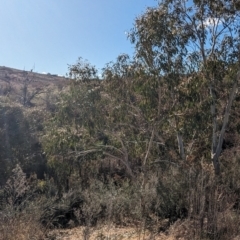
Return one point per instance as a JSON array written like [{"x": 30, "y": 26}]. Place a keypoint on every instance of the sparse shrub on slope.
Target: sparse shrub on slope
[{"x": 19, "y": 140}]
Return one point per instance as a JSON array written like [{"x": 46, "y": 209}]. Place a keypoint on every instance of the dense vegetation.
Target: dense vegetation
[{"x": 155, "y": 140}]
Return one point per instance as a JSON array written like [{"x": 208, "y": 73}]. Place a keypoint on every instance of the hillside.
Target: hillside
[
  {"x": 27, "y": 87},
  {"x": 13, "y": 75}
]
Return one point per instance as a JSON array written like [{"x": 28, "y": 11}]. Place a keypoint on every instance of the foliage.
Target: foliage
[
  {"x": 82, "y": 70},
  {"x": 16, "y": 187},
  {"x": 192, "y": 48}
]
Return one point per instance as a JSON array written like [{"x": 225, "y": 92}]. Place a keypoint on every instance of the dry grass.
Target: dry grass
[{"x": 21, "y": 227}]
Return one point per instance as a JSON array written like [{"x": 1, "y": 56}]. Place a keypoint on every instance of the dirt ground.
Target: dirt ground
[
  {"x": 107, "y": 233},
  {"x": 180, "y": 230}
]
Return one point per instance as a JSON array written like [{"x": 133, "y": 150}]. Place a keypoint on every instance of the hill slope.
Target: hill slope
[
  {"x": 28, "y": 87},
  {"x": 17, "y": 76}
]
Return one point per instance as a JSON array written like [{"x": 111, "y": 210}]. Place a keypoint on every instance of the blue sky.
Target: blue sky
[{"x": 50, "y": 34}]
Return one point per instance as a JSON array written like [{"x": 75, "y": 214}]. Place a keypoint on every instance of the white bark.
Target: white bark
[
  {"x": 214, "y": 120},
  {"x": 180, "y": 146},
  {"x": 217, "y": 151}
]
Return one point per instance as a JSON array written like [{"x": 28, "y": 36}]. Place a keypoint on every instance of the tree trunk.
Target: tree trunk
[
  {"x": 216, "y": 151},
  {"x": 180, "y": 146}
]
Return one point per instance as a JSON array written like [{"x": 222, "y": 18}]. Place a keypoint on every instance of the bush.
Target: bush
[{"x": 21, "y": 226}]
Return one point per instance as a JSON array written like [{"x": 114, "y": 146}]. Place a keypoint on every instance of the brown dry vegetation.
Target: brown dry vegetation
[{"x": 23, "y": 226}]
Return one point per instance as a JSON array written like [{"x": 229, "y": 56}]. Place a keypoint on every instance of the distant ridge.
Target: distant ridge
[{"x": 12, "y": 75}]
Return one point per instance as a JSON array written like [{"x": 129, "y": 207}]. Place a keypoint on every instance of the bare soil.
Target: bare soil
[{"x": 107, "y": 233}]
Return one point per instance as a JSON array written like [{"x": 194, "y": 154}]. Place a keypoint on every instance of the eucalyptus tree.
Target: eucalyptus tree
[
  {"x": 91, "y": 121},
  {"x": 82, "y": 70},
  {"x": 192, "y": 49}
]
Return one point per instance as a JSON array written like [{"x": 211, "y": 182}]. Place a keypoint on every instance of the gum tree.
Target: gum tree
[{"x": 192, "y": 49}]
